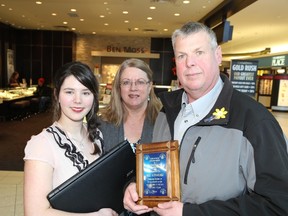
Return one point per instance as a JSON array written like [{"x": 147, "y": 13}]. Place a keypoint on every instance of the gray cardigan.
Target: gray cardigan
[{"x": 113, "y": 135}]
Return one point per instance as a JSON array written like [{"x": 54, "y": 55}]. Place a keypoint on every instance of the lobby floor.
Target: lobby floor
[{"x": 11, "y": 182}]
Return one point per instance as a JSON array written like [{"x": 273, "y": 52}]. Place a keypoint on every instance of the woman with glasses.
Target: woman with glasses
[{"x": 133, "y": 107}]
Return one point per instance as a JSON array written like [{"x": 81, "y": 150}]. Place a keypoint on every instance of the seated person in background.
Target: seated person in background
[
  {"x": 13, "y": 81},
  {"x": 44, "y": 93}
]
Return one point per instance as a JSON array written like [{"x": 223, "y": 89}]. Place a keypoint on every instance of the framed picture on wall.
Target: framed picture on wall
[{"x": 10, "y": 63}]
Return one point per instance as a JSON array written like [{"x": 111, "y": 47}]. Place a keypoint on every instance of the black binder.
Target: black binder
[{"x": 99, "y": 185}]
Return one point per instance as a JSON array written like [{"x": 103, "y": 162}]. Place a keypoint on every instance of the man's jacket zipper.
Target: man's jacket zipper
[{"x": 191, "y": 159}]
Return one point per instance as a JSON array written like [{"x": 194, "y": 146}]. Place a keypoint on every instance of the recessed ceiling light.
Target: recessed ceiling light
[
  {"x": 125, "y": 12},
  {"x": 152, "y": 7},
  {"x": 73, "y": 29},
  {"x": 106, "y": 24},
  {"x": 54, "y": 14},
  {"x": 126, "y": 21},
  {"x": 176, "y": 14},
  {"x": 2, "y": 5},
  {"x": 65, "y": 23},
  {"x": 73, "y": 10},
  {"x": 38, "y": 2},
  {"x": 149, "y": 18},
  {"x": 93, "y": 32},
  {"x": 165, "y": 29},
  {"x": 10, "y": 9},
  {"x": 82, "y": 20},
  {"x": 101, "y": 16},
  {"x": 136, "y": 29},
  {"x": 186, "y": 2}
]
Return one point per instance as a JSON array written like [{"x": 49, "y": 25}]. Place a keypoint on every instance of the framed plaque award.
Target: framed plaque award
[{"x": 157, "y": 172}]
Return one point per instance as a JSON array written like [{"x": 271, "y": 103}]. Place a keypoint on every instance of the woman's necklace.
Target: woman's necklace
[
  {"x": 80, "y": 143},
  {"x": 77, "y": 142}
]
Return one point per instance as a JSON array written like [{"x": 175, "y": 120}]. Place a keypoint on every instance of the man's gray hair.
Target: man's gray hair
[{"x": 192, "y": 28}]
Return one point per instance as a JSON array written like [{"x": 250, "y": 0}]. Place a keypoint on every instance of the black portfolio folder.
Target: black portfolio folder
[{"x": 99, "y": 185}]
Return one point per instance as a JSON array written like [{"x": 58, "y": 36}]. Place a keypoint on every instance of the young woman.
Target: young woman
[{"x": 68, "y": 145}]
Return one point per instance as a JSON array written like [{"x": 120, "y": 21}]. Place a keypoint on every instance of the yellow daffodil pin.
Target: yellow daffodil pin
[{"x": 220, "y": 113}]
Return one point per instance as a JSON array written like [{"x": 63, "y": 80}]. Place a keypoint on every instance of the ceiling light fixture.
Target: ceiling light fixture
[
  {"x": 38, "y": 2},
  {"x": 149, "y": 18},
  {"x": 152, "y": 7},
  {"x": 186, "y": 2},
  {"x": 125, "y": 12}
]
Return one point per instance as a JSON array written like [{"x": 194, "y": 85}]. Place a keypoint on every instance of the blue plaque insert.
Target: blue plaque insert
[{"x": 155, "y": 174}]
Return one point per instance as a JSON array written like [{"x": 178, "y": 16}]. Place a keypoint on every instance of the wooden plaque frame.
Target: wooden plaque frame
[{"x": 171, "y": 150}]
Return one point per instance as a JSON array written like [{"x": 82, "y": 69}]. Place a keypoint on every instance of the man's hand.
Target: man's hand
[
  {"x": 130, "y": 199},
  {"x": 173, "y": 208}
]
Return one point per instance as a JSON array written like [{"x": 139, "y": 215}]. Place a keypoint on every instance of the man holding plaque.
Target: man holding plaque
[{"x": 233, "y": 153}]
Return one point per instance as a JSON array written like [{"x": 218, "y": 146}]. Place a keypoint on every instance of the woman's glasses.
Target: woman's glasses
[{"x": 139, "y": 83}]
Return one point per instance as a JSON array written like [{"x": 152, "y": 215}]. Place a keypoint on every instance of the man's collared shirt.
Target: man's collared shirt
[{"x": 192, "y": 113}]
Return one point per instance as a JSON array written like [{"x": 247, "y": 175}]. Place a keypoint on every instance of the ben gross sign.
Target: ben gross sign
[{"x": 125, "y": 49}]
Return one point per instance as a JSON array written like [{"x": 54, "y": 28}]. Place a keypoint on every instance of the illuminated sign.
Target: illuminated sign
[{"x": 278, "y": 61}]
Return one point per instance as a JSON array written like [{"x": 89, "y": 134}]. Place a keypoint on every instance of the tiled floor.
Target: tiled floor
[
  {"x": 11, "y": 193},
  {"x": 11, "y": 182}
]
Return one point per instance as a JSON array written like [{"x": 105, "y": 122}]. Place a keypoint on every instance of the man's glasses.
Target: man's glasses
[{"x": 139, "y": 83}]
